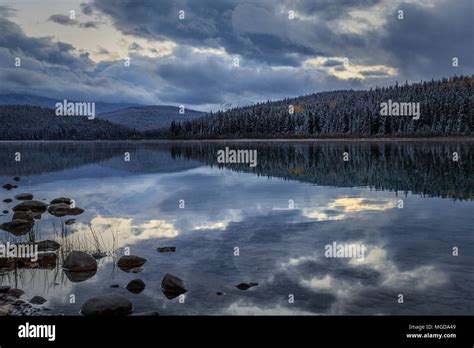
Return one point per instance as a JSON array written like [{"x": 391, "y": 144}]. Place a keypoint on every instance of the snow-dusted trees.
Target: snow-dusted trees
[{"x": 446, "y": 108}]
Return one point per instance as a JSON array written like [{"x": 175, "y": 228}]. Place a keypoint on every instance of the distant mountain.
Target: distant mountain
[
  {"x": 26, "y": 122},
  {"x": 33, "y": 100},
  {"x": 150, "y": 117}
]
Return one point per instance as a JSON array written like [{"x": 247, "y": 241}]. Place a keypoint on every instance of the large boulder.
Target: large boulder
[
  {"x": 79, "y": 261},
  {"x": 129, "y": 262},
  {"x": 172, "y": 286},
  {"x": 17, "y": 227},
  {"x": 34, "y": 206},
  {"x": 110, "y": 304}
]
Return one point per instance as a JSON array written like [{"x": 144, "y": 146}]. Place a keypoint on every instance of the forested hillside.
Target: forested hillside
[
  {"x": 23, "y": 122},
  {"x": 446, "y": 108}
]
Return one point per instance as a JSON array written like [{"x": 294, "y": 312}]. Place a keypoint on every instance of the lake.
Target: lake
[{"x": 408, "y": 204}]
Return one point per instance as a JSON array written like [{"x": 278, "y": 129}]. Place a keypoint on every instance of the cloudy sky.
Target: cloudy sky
[{"x": 226, "y": 52}]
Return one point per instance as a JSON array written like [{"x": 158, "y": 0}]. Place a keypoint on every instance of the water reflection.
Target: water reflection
[{"x": 136, "y": 205}]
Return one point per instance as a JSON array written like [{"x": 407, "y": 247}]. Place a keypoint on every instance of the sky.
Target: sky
[{"x": 215, "y": 54}]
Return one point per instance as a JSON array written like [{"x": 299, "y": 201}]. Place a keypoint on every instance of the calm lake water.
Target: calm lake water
[{"x": 280, "y": 215}]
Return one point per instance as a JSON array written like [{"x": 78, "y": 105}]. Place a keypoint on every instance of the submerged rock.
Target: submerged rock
[
  {"x": 110, "y": 304},
  {"x": 16, "y": 178},
  {"x": 129, "y": 262},
  {"x": 24, "y": 197},
  {"x": 38, "y": 300},
  {"x": 70, "y": 221},
  {"x": 99, "y": 255},
  {"x": 115, "y": 286},
  {"x": 5, "y": 212},
  {"x": 146, "y": 314},
  {"x": 8, "y": 200},
  {"x": 246, "y": 286},
  {"x": 8, "y": 187},
  {"x": 172, "y": 286},
  {"x": 16, "y": 293},
  {"x": 79, "y": 261},
  {"x": 17, "y": 227},
  {"x": 79, "y": 276},
  {"x": 44, "y": 261},
  {"x": 4, "y": 288},
  {"x": 48, "y": 245},
  {"x": 166, "y": 249},
  {"x": 34, "y": 206},
  {"x": 220, "y": 293},
  {"x": 44, "y": 245},
  {"x": 135, "y": 286},
  {"x": 62, "y": 209},
  {"x": 63, "y": 200},
  {"x": 24, "y": 215}
]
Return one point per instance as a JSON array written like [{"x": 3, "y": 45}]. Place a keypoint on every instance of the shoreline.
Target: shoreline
[{"x": 256, "y": 140}]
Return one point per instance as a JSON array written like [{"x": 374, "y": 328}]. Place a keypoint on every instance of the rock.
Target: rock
[
  {"x": 4, "y": 289},
  {"x": 16, "y": 178},
  {"x": 16, "y": 293},
  {"x": 166, "y": 249},
  {"x": 70, "y": 221},
  {"x": 34, "y": 206},
  {"x": 44, "y": 245},
  {"x": 79, "y": 261},
  {"x": 48, "y": 245},
  {"x": 110, "y": 304},
  {"x": 6, "y": 310},
  {"x": 115, "y": 286},
  {"x": 63, "y": 200},
  {"x": 146, "y": 314},
  {"x": 8, "y": 200},
  {"x": 99, "y": 255},
  {"x": 26, "y": 215},
  {"x": 135, "y": 286},
  {"x": 172, "y": 286},
  {"x": 44, "y": 261},
  {"x": 23, "y": 215},
  {"x": 128, "y": 262},
  {"x": 220, "y": 293},
  {"x": 24, "y": 197},
  {"x": 5, "y": 212},
  {"x": 77, "y": 277},
  {"x": 38, "y": 300},
  {"x": 62, "y": 209},
  {"x": 17, "y": 227},
  {"x": 245, "y": 286},
  {"x": 8, "y": 187}
]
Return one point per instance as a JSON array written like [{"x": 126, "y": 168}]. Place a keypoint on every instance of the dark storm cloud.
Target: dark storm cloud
[
  {"x": 42, "y": 49},
  {"x": 258, "y": 30},
  {"x": 66, "y": 20},
  {"x": 86, "y": 9},
  {"x": 63, "y": 20},
  {"x": 423, "y": 44}
]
